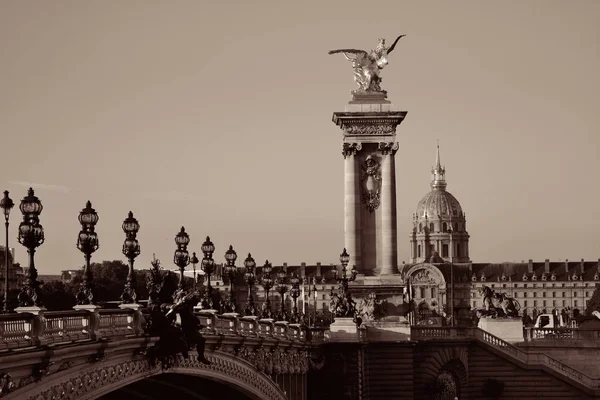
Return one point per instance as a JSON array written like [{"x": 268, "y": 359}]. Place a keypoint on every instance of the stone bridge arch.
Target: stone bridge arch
[
  {"x": 100, "y": 378},
  {"x": 437, "y": 364}
]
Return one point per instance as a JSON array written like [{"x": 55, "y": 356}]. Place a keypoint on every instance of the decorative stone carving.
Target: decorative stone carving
[
  {"x": 6, "y": 384},
  {"x": 422, "y": 277},
  {"x": 370, "y": 128},
  {"x": 64, "y": 366},
  {"x": 388, "y": 148},
  {"x": 87, "y": 382},
  {"x": 371, "y": 178},
  {"x": 350, "y": 149}
]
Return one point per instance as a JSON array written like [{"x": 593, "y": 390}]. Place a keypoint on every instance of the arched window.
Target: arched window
[
  {"x": 431, "y": 227},
  {"x": 458, "y": 250},
  {"x": 420, "y": 227},
  {"x": 419, "y": 251},
  {"x": 445, "y": 227},
  {"x": 456, "y": 227}
]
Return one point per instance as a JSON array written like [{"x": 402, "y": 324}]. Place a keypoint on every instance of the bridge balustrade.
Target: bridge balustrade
[
  {"x": 530, "y": 334},
  {"x": 60, "y": 327}
]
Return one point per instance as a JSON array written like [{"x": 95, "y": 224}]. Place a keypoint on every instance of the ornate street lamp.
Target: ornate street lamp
[
  {"x": 181, "y": 258},
  {"x": 281, "y": 288},
  {"x": 208, "y": 266},
  {"x": 31, "y": 235},
  {"x": 6, "y": 204},
  {"x": 295, "y": 293},
  {"x": 344, "y": 306},
  {"x": 131, "y": 249},
  {"x": 194, "y": 261},
  {"x": 87, "y": 243},
  {"x": 267, "y": 283},
  {"x": 230, "y": 272},
  {"x": 250, "y": 278}
]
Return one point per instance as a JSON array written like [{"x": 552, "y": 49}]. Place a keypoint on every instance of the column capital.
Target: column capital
[
  {"x": 388, "y": 147},
  {"x": 350, "y": 149}
]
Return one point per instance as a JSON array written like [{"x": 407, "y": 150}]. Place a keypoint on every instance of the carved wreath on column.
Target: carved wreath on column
[{"x": 371, "y": 178}]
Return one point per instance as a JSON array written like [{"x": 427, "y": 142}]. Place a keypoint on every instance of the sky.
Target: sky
[{"x": 216, "y": 116}]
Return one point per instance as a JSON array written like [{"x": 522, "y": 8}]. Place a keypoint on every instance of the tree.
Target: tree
[
  {"x": 57, "y": 296},
  {"x": 593, "y": 304}
]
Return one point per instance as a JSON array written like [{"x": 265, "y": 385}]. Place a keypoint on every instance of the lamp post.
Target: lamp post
[
  {"x": 131, "y": 249},
  {"x": 281, "y": 289},
  {"x": 345, "y": 306},
  {"x": 181, "y": 258},
  {"x": 250, "y": 279},
  {"x": 208, "y": 266},
  {"x": 451, "y": 231},
  {"x": 230, "y": 272},
  {"x": 6, "y": 204},
  {"x": 194, "y": 260},
  {"x": 87, "y": 243},
  {"x": 31, "y": 235},
  {"x": 295, "y": 293},
  {"x": 267, "y": 283}
]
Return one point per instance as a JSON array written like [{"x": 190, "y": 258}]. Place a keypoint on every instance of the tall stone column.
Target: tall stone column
[
  {"x": 368, "y": 120},
  {"x": 351, "y": 203},
  {"x": 389, "y": 256}
]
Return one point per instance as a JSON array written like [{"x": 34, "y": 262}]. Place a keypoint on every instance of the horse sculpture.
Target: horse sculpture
[
  {"x": 179, "y": 330},
  {"x": 497, "y": 304}
]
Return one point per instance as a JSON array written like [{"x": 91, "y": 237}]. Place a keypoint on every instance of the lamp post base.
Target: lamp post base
[{"x": 35, "y": 310}]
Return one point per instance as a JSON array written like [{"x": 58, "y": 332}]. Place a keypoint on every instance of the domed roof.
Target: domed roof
[{"x": 439, "y": 202}]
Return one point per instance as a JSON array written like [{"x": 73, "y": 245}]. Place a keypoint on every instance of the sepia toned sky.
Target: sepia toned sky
[{"x": 216, "y": 115}]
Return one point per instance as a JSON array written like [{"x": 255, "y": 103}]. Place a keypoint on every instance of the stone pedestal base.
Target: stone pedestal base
[
  {"x": 343, "y": 330},
  {"x": 132, "y": 306},
  {"x": 35, "y": 310},
  {"x": 510, "y": 330},
  {"x": 388, "y": 331},
  {"x": 87, "y": 307},
  {"x": 198, "y": 308}
]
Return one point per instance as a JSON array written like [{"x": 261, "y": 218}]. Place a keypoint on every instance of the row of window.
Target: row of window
[
  {"x": 555, "y": 303},
  {"x": 516, "y": 285},
  {"x": 535, "y": 294},
  {"x": 445, "y": 250},
  {"x": 445, "y": 227}
]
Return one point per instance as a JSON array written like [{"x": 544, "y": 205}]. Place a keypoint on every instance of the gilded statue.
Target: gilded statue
[{"x": 367, "y": 65}]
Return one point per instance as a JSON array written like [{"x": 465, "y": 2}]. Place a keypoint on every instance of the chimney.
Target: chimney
[
  {"x": 530, "y": 267},
  {"x": 598, "y": 268},
  {"x": 302, "y": 270},
  {"x": 547, "y": 266},
  {"x": 582, "y": 266},
  {"x": 567, "y": 266},
  {"x": 318, "y": 269}
]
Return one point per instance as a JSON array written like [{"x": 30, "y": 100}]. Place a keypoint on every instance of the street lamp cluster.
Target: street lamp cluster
[{"x": 31, "y": 236}]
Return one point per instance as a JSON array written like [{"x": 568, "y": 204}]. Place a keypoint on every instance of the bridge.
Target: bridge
[{"x": 81, "y": 354}]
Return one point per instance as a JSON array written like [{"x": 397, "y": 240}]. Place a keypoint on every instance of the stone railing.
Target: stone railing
[
  {"x": 533, "y": 359},
  {"x": 60, "y": 327},
  {"x": 249, "y": 326},
  {"x": 424, "y": 333},
  {"x": 530, "y": 334},
  {"x": 538, "y": 360}
]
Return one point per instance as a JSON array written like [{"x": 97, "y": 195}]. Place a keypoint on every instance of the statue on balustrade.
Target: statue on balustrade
[
  {"x": 370, "y": 308},
  {"x": 179, "y": 330},
  {"x": 343, "y": 306},
  {"x": 497, "y": 304}
]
